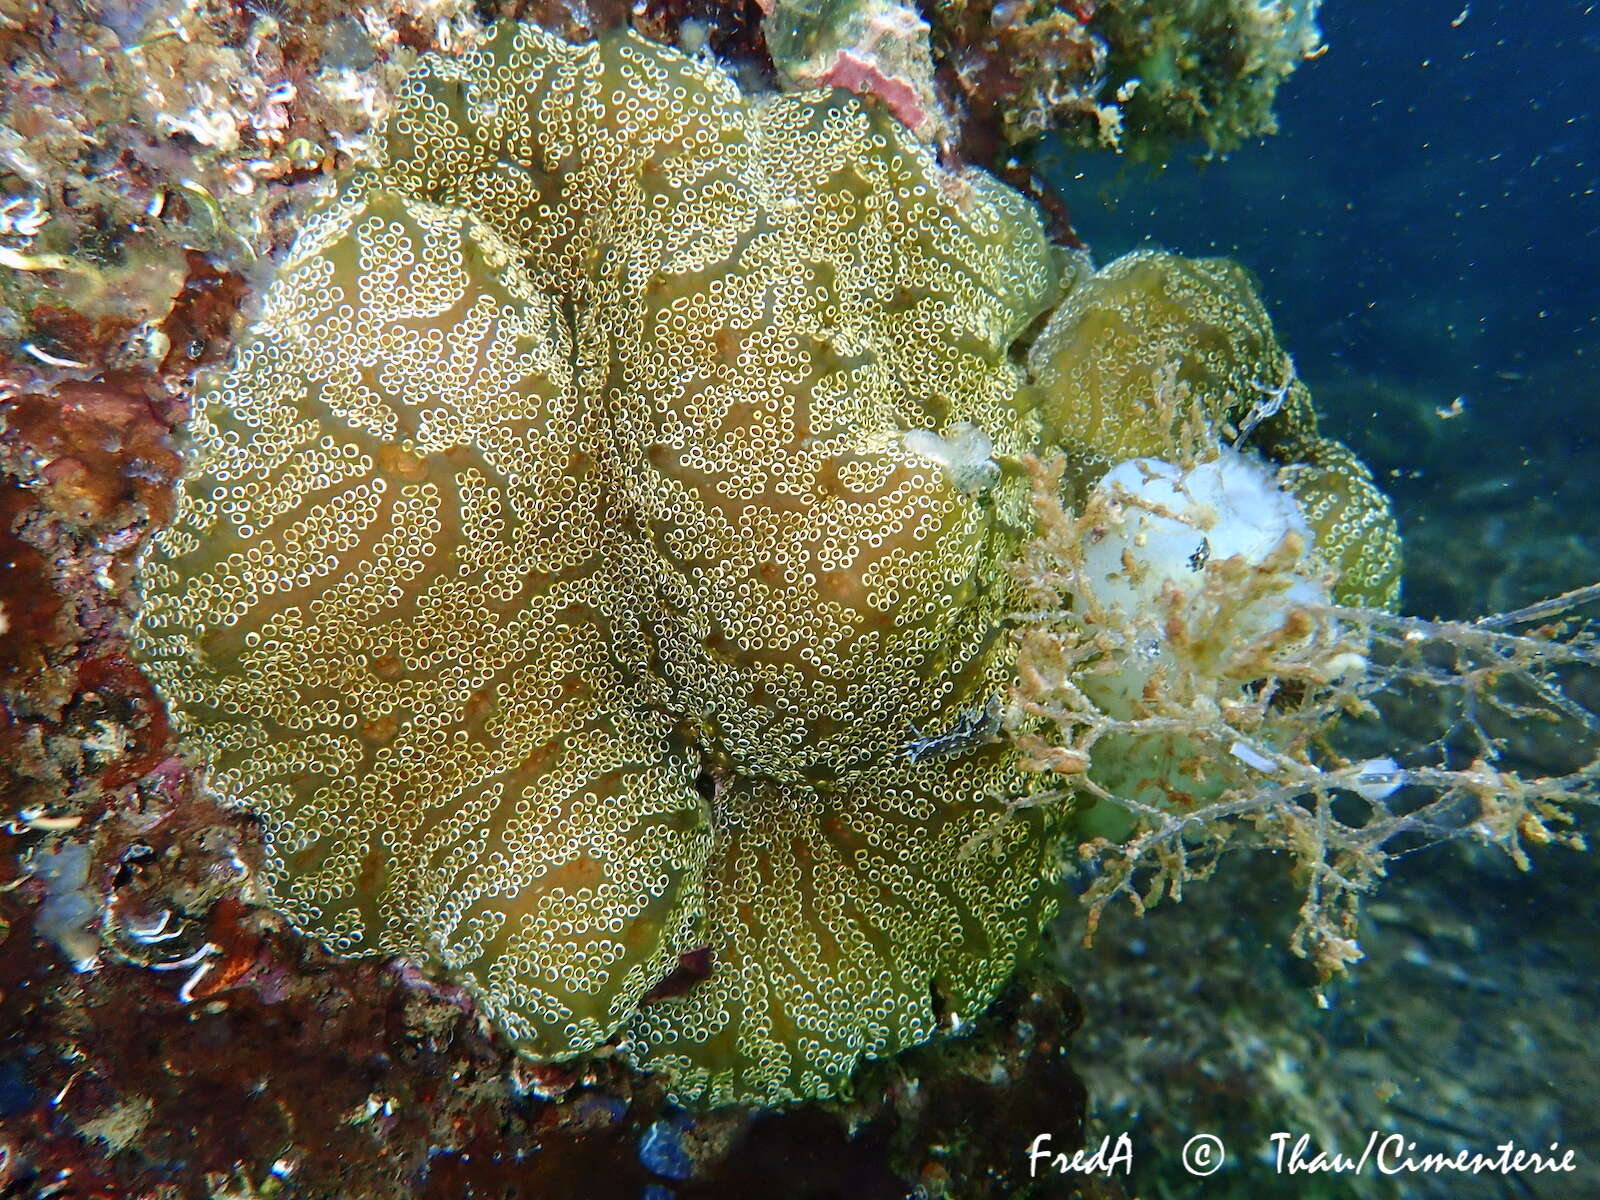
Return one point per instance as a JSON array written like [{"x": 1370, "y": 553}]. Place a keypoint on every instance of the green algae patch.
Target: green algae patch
[{"x": 1201, "y": 71}]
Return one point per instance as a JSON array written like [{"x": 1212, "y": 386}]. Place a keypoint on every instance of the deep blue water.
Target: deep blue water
[
  {"x": 1430, "y": 205},
  {"x": 1426, "y": 223}
]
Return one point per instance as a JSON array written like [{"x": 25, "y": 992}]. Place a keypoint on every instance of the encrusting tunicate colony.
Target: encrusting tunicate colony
[{"x": 597, "y": 550}]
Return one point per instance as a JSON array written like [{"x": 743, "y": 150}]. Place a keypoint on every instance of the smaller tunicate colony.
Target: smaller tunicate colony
[{"x": 598, "y": 550}]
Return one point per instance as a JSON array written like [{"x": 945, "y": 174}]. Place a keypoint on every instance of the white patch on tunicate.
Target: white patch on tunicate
[
  {"x": 966, "y": 453},
  {"x": 1164, "y": 527},
  {"x": 1177, "y": 521}
]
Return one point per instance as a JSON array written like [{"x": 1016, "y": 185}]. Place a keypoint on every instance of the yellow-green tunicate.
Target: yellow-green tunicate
[
  {"x": 563, "y": 569},
  {"x": 598, "y": 550}
]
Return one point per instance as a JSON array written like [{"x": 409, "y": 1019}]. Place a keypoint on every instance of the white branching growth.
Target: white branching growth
[{"x": 1247, "y": 734}]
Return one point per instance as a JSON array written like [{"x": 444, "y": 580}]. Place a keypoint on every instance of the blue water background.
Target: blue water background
[{"x": 1425, "y": 226}]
